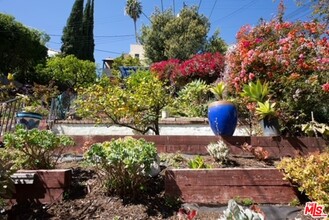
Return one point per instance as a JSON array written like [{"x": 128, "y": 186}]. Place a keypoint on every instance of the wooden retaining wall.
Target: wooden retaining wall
[
  {"x": 276, "y": 146},
  {"x": 218, "y": 186}
]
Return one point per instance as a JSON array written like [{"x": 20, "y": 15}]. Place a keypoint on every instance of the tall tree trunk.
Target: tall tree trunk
[{"x": 137, "y": 42}]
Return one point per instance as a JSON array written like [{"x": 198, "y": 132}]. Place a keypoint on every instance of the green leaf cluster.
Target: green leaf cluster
[
  {"x": 68, "y": 72},
  {"x": 34, "y": 149},
  {"x": 265, "y": 109},
  {"x": 171, "y": 36},
  {"x": 218, "y": 90},
  {"x": 135, "y": 102},
  {"x": 191, "y": 100},
  {"x": 21, "y": 48},
  {"x": 197, "y": 163},
  {"x": 310, "y": 174},
  {"x": 312, "y": 128},
  {"x": 125, "y": 163},
  {"x": 256, "y": 92}
]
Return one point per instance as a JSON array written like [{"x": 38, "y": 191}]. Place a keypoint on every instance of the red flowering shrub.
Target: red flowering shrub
[
  {"x": 166, "y": 69},
  {"x": 207, "y": 67},
  {"x": 293, "y": 58}
]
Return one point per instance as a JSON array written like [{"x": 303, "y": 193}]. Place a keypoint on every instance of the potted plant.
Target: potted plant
[
  {"x": 257, "y": 93},
  {"x": 222, "y": 114},
  {"x": 268, "y": 119},
  {"x": 34, "y": 154},
  {"x": 31, "y": 113},
  {"x": 35, "y": 104}
]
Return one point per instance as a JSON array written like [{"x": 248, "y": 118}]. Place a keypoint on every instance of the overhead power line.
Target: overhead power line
[
  {"x": 236, "y": 11},
  {"x": 212, "y": 9},
  {"x": 100, "y": 36},
  {"x": 107, "y": 51}
]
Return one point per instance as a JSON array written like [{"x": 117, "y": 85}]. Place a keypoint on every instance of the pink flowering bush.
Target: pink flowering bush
[
  {"x": 207, "y": 67},
  {"x": 293, "y": 58}
]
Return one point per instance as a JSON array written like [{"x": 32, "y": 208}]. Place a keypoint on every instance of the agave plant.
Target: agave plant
[
  {"x": 265, "y": 109},
  {"x": 256, "y": 92},
  {"x": 218, "y": 90}
]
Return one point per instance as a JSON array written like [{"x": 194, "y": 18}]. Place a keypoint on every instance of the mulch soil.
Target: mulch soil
[{"x": 87, "y": 199}]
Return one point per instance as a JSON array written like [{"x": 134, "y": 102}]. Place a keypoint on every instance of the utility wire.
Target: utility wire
[
  {"x": 212, "y": 9},
  {"x": 236, "y": 11},
  {"x": 200, "y": 1},
  {"x": 107, "y": 51},
  {"x": 100, "y": 36}
]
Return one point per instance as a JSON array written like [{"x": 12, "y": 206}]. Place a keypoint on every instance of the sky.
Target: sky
[{"x": 114, "y": 31}]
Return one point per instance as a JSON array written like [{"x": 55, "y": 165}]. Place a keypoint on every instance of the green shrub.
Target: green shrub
[
  {"x": 34, "y": 149},
  {"x": 191, "y": 100},
  {"x": 310, "y": 174},
  {"x": 124, "y": 163}
]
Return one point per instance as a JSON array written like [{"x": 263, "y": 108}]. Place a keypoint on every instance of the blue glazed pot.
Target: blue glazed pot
[
  {"x": 28, "y": 119},
  {"x": 223, "y": 117}
]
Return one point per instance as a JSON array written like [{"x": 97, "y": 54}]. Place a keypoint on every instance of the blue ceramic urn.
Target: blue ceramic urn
[
  {"x": 28, "y": 119},
  {"x": 223, "y": 117}
]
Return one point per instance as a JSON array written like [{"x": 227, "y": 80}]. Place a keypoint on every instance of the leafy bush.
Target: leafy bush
[
  {"x": 310, "y": 174},
  {"x": 68, "y": 72},
  {"x": 219, "y": 151},
  {"x": 124, "y": 163},
  {"x": 191, "y": 100},
  {"x": 34, "y": 149},
  {"x": 293, "y": 59}
]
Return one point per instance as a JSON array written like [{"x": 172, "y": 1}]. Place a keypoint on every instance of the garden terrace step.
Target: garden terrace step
[
  {"x": 277, "y": 146},
  {"x": 219, "y": 185}
]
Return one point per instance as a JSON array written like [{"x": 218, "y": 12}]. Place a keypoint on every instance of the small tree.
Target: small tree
[
  {"x": 68, "y": 72},
  {"x": 175, "y": 37},
  {"x": 135, "y": 103}
]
